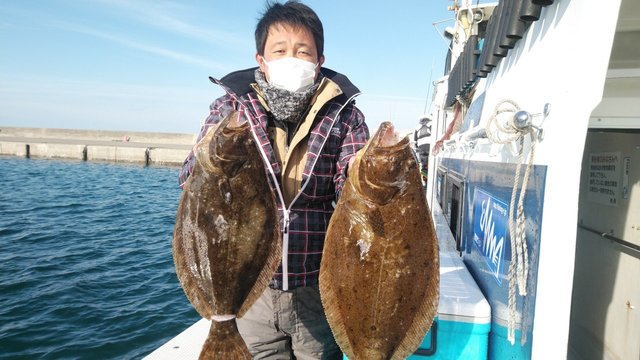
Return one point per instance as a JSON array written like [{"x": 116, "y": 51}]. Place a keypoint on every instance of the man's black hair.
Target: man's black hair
[{"x": 293, "y": 13}]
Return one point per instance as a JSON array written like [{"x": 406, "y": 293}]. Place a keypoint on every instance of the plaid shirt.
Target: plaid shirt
[{"x": 337, "y": 133}]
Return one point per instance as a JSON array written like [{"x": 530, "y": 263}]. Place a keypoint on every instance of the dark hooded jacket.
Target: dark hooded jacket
[{"x": 310, "y": 169}]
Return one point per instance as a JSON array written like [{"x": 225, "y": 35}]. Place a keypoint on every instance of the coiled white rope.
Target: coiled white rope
[{"x": 519, "y": 266}]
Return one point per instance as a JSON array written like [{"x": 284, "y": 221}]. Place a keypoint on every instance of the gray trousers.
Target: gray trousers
[{"x": 288, "y": 325}]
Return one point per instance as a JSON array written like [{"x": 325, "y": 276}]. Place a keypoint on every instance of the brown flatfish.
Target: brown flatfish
[
  {"x": 225, "y": 242},
  {"x": 379, "y": 276}
]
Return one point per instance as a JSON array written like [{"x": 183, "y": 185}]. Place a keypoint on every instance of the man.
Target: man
[{"x": 309, "y": 128}]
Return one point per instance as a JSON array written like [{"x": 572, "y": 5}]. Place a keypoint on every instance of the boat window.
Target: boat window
[
  {"x": 440, "y": 184},
  {"x": 454, "y": 206},
  {"x": 447, "y": 64}
]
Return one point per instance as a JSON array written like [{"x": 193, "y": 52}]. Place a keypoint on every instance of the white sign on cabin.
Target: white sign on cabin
[{"x": 604, "y": 178}]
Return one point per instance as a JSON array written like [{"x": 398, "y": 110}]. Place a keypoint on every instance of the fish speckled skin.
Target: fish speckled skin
[
  {"x": 226, "y": 246},
  {"x": 379, "y": 276}
]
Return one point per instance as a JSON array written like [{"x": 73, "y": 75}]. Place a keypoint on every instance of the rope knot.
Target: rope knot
[{"x": 510, "y": 125}]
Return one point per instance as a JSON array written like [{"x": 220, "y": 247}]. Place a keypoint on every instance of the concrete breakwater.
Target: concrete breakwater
[{"x": 149, "y": 148}]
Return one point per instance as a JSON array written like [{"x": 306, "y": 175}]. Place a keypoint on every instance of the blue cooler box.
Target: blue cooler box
[{"x": 461, "y": 328}]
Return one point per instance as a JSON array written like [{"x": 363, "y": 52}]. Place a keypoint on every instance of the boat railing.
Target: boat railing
[{"x": 632, "y": 249}]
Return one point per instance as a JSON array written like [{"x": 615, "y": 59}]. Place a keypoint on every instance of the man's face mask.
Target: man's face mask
[{"x": 291, "y": 73}]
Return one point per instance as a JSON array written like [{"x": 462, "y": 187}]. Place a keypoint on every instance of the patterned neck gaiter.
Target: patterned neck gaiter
[{"x": 286, "y": 106}]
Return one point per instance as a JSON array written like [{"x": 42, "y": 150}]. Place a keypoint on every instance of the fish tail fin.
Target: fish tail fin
[{"x": 224, "y": 342}]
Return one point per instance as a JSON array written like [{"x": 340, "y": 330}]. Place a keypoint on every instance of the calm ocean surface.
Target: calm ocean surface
[{"x": 86, "y": 270}]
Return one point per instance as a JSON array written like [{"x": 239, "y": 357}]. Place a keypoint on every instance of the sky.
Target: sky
[{"x": 143, "y": 65}]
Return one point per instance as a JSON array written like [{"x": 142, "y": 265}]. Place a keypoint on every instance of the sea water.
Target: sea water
[{"x": 86, "y": 270}]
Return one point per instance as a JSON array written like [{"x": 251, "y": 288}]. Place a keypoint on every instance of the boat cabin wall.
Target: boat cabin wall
[{"x": 605, "y": 311}]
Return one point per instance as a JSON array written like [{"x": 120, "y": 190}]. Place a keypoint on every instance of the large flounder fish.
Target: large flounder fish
[
  {"x": 379, "y": 275},
  {"x": 225, "y": 243}
]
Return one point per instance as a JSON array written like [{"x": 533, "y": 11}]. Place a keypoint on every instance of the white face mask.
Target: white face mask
[{"x": 291, "y": 73}]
